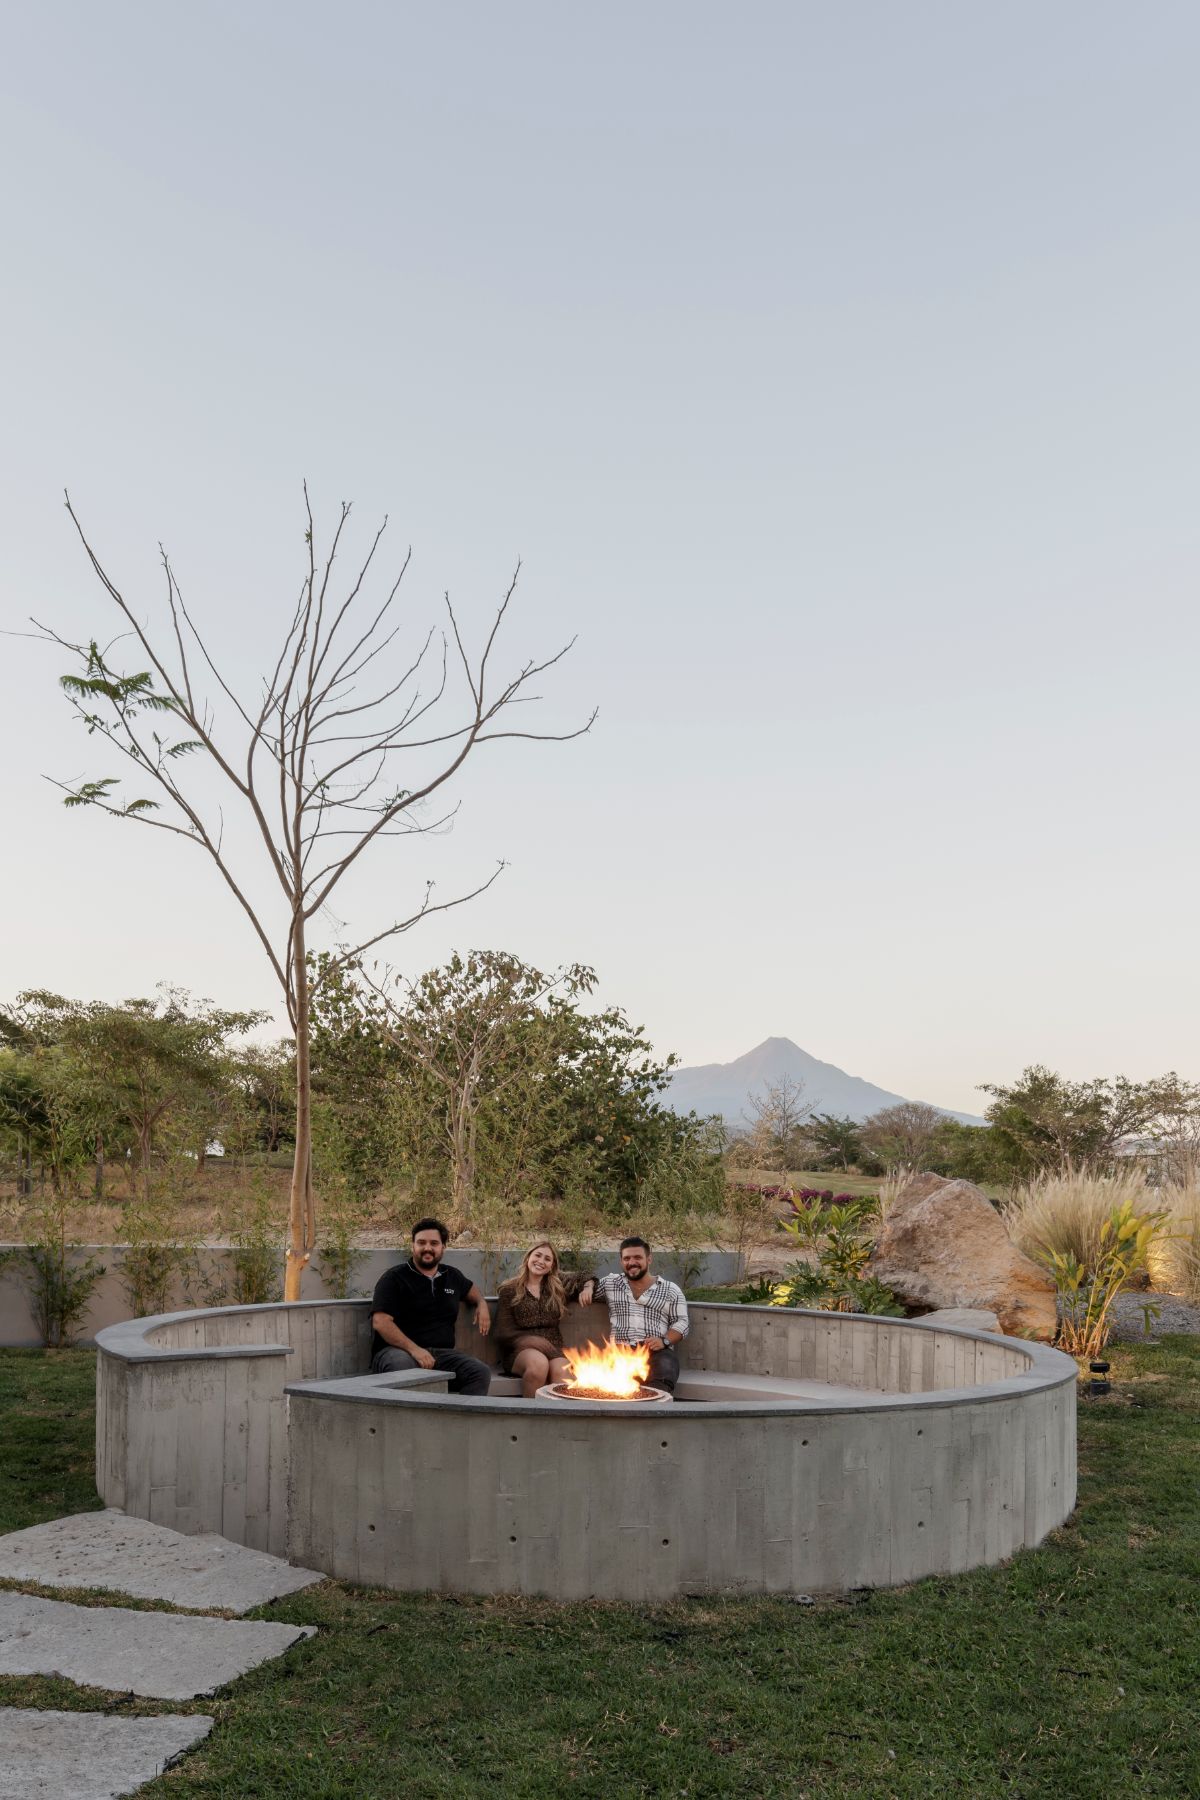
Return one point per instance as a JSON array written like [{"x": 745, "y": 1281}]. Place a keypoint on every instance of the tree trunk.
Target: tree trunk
[
  {"x": 462, "y": 1143},
  {"x": 300, "y": 1199},
  {"x": 98, "y": 1184}
]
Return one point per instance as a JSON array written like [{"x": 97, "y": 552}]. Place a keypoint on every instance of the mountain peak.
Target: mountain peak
[{"x": 729, "y": 1088}]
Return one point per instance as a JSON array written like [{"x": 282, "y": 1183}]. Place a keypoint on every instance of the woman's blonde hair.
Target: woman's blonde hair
[{"x": 553, "y": 1291}]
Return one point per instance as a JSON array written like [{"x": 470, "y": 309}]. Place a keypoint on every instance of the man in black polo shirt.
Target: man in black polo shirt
[{"x": 415, "y": 1310}]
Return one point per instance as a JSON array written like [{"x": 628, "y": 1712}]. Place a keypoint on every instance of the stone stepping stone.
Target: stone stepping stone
[
  {"x": 148, "y": 1562},
  {"x": 88, "y": 1756},
  {"x": 163, "y": 1656}
]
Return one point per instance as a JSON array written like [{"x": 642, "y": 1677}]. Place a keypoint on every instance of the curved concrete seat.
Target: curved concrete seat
[
  {"x": 832, "y": 1451},
  {"x": 712, "y": 1385}
]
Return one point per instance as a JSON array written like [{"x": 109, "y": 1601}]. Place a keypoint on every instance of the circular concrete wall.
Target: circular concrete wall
[{"x": 829, "y": 1451}]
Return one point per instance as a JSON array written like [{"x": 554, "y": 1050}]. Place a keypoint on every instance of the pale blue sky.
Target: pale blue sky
[{"x": 833, "y": 368}]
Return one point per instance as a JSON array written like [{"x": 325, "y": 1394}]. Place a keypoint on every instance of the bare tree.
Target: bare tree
[
  {"x": 310, "y": 763},
  {"x": 777, "y": 1118}
]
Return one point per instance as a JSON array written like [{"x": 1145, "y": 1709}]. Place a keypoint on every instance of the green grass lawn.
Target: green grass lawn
[{"x": 1071, "y": 1672}]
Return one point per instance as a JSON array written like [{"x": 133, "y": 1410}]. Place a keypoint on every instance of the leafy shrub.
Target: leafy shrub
[
  {"x": 58, "y": 1284},
  {"x": 254, "y": 1260},
  {"x": 1086, "y": 1293},
  {"x": 809, "y": 1286},
  {"x": 759, "y": 1293},
  {"x": 841, "y": 1239},
  {"x": 156, "y": 1255},
  {"x": 809, "y": 1197},
  {"x": 764, "y": 1190},
  {"x": 749, "y": 1218},
  {"x": 341, "y": 1217}
]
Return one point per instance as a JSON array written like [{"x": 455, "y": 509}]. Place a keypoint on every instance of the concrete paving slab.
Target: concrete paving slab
[
  {"x": 88, "y": 1756},
  {"x": 148, "y": 1562},
  {"x": 164, "y": 1656}
]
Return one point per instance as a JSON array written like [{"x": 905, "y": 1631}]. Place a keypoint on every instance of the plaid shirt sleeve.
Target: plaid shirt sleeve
[{"x": 676, "y": 1312}]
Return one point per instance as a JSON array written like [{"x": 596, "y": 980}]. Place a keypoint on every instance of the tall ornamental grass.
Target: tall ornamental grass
[
  {"x": 1064, "y": 1215},
  {"x": 1175, "y": 1258}
]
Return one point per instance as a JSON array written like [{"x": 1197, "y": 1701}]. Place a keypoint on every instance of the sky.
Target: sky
[{"x": 831, "y": 369}]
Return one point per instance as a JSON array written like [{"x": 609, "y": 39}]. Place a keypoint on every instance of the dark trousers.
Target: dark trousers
[
  {"x": 470, "y": 1376},
  {"x": 664, "y": 1369}
]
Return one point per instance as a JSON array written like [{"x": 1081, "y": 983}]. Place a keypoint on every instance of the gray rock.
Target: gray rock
[
  {"x": 148, "y": 1562},
  {"x": 88, "y": 1756},
  {"x": 163, "y": 1656},
  {"x": 943, "y": 1244}
]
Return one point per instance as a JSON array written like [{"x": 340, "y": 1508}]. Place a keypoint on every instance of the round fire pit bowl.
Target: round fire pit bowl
[{"x": 563, "y": 1390}]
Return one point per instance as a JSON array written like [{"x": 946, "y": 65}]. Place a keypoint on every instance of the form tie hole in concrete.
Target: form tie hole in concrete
[
  {"x": 920, "y": 1524},
  {"x": 664, "y": 1443},
  {"x": 370, "y": 1528},
  {"x": 512, "y": 1540},
  {"x": 920, "y": 1431},
  {"x": 514, "y": 1437},
  {"x": 371, "y": 1429},
  {"x": 803, "y": 1442},
  {"x": 666, "y": 1541}
]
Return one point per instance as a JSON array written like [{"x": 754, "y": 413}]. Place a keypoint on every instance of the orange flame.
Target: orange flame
[{"x": 616, "y": 1369}]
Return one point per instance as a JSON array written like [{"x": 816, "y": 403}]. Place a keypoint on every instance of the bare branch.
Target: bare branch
[{"x": 425, "y": 911}]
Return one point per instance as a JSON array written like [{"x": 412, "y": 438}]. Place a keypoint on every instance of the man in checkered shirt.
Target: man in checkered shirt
[{"x": 643, "y": 1309}]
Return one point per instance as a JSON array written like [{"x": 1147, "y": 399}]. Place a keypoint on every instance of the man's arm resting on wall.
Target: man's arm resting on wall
[{"x": 483, "y": 1317}]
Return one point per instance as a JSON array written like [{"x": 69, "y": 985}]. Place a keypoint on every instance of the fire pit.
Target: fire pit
[
  {"x": 567, "y": 1390},
  {"x": 810, "y": 1452},
  {"x": 606, "y": 1372}
]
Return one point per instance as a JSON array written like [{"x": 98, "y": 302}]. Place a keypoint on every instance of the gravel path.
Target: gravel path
[{"x": 1174, "y": 1315}]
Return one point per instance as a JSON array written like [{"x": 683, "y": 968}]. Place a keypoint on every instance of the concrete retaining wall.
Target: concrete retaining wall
[
  {"x": 109, "y": 1305},
  {"x": 957, "y": 1449},
  {"x": 693, "y": 1499}
]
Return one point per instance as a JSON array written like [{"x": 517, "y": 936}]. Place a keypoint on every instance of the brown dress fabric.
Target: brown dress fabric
[{"x": 518, "y": 1320}]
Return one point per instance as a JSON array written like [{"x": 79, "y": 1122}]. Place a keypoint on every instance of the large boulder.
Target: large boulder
[{"x": 943, "y": 1244}]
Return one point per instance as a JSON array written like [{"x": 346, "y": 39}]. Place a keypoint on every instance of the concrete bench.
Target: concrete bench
[{"x": 713, "y": 1384}]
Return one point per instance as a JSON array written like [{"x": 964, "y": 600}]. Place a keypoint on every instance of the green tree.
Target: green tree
[
  {"x": 136, "y": 1072},
  {"x": 904, "y": 1136},
  {"x": 837, "y": 1141},
  {"x": 479, "y": 1030},
  {"x": 26, "y": 1120},
  {"x": 487, "y": 1077},
  {"x": 266, "y": 1077},
  {"x": 51, "y": 1110},
  {"x": 1046, "y": 1122}
]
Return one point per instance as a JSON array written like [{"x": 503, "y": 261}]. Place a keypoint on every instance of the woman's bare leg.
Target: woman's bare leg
[
  {"x": 534, "y": 1370},
  {"x": 560, "y": 1369}
]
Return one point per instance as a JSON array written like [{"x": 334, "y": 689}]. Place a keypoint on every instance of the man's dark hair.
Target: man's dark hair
[
  {"x": 432, "y": 1225},
  {"x": 634, "y": 1244}
]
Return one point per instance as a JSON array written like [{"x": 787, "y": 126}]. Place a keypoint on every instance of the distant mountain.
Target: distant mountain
[{"x": 725, "y": 1088}]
